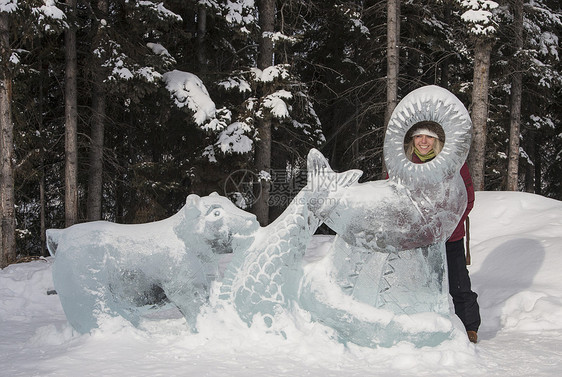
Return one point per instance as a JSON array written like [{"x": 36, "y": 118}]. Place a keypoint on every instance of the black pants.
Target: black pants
[{"x": 465, "y": 301}]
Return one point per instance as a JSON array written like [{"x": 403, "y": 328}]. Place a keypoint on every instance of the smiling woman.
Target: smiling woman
[
  {"x": 423, "y": 142},
  {"x": 425, "y": 139}
]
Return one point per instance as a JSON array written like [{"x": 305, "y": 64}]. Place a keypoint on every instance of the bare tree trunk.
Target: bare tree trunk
[
  {"x": 537, "y": 160},
  {"x": 8, "y": 226},
  {"x": 392, "y": 51},
  {"x": 201, "y": 37},
  {"x": 515, "y": 100},
  {"x": 393, "y": 60},
  {"x": 477, "y": 155},
  {"x": 42, "y": 201},
  {"x": 530, "y": 167},
  {"x": 445, "y": 70},
  {"x": 263, "y": 145},
  {"x": 71, "y": 120},
  {"x": 95, "y": 177},
  {"x": 42, "y": 198}
]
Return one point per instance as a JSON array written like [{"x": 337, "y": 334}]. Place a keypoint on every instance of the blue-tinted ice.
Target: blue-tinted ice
[
  {"x": 106, "y": 269},
  {"x": 383, "y": 281},
  {"x": 389, "y": 252}
]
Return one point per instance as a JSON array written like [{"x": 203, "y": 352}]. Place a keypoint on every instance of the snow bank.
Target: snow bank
[{"x": 516, "y": 247}]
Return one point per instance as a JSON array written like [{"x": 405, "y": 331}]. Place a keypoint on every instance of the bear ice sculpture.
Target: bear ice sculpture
[{"x": 102, "y": 268}]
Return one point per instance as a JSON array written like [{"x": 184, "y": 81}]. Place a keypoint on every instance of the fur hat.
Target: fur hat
[
  {"x": 424, "y": 131},
  {"x": 428, "y": 128}
]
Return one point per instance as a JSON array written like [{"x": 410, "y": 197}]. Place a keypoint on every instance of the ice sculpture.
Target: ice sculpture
[
  {"x": 102, "y": 268},
  {"x": 389, "y": 252},
  {"x": 383, "y": 281}
]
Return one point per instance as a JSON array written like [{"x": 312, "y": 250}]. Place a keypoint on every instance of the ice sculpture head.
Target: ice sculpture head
[{"x": 215, "y": 218}]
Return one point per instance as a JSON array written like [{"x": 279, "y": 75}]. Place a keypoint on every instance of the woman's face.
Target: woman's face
[{"x": 423, "y": 143}]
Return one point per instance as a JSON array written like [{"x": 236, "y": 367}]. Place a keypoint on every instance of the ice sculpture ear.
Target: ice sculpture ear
[
  {"x": 53, "y": 237},
  {"x": 434, "y": 104},
  {"x": 191, "y": 208}
]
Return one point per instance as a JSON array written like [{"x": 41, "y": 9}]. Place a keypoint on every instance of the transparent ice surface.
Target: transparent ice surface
[
  {"x": 388, "y": 259},
  {"x": 102, "y": 268},
  {"x": 431, "y": 103}
]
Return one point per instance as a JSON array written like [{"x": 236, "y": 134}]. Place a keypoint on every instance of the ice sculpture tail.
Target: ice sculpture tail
[
  {"x": 325, "y": 183},
  {"x": 265, "y": 278},
  {"x": 384, "y": 304}
]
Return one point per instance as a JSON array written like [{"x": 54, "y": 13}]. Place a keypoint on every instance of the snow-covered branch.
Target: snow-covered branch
[{"x": 479, "y": 16}]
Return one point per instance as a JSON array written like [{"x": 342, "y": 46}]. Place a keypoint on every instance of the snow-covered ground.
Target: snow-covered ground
[{"x": 516, "y": 244}]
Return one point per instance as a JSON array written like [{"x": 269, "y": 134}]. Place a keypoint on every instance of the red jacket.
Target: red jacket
[{"x": 459, "y": 233}]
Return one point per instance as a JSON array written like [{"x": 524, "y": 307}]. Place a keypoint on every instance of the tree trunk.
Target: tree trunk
[
  {"x": 95, "y": 177},
  {"x": 393, "y": 60},
  {"x": 71, "y": 120},
  {"x": 8, "y": 226},
  {"x": 445, "y": 70},
  {"x": 42, "y": 201},
  {"x": 530, "y": 166},
  {"x": 201, "y": 37},
  {"x": 42, "y": 197},
  {"x": 477, "y": 155},
  {"x": 263, "y": 145},
  {"x": 392, "y": 50},
  {"x": 515, "y": 100},
  {"x": 537, "y": 167}
]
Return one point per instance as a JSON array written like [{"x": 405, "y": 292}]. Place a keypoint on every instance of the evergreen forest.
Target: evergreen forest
[{"x": 119, "y": 109}]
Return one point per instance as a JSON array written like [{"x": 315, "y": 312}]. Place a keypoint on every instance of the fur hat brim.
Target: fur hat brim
[{"x": 425, "y": 131}]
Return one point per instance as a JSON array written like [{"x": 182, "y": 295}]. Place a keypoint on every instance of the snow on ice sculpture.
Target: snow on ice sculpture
[
  {"x": 388, "y": 261},
  {"x": 107, "y": 269},
  {"x": 264, "y": 279}
]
